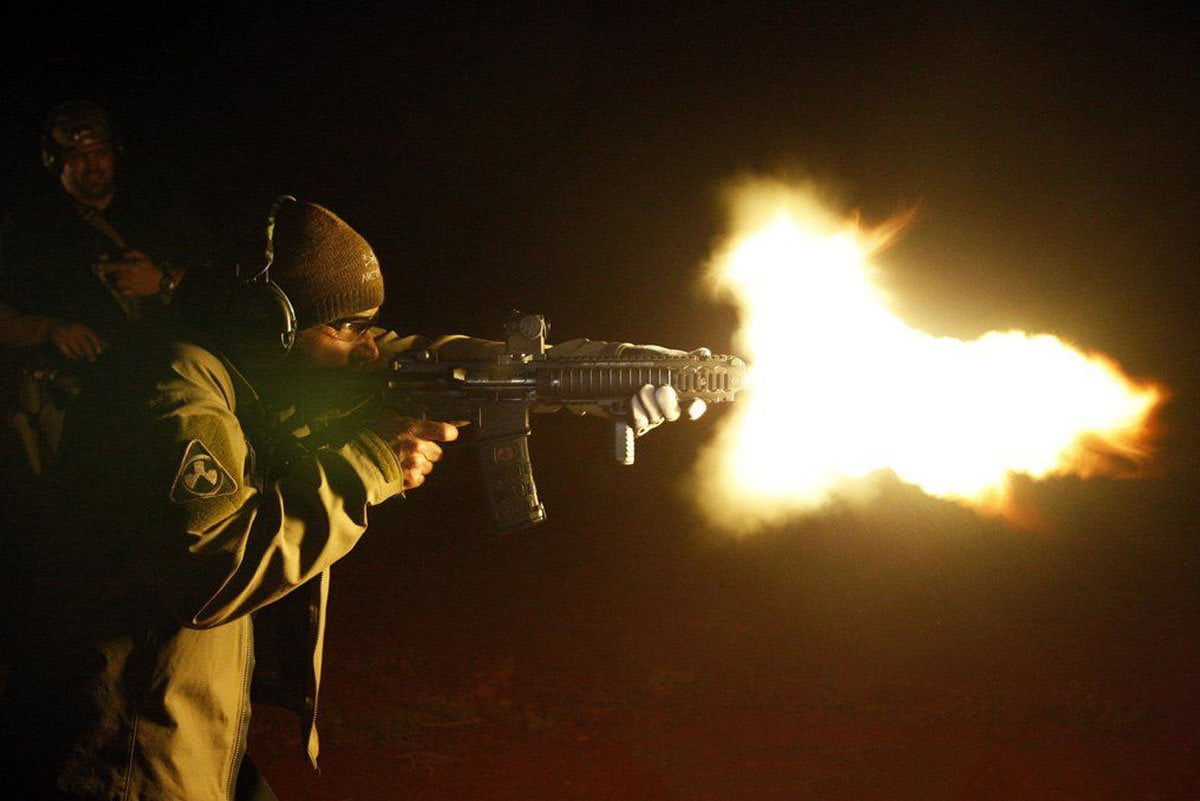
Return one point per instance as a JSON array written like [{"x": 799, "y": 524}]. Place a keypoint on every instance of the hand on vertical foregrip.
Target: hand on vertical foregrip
[
  {"x": 415, "y": 443},
  {"x": 652, "y": 406}
]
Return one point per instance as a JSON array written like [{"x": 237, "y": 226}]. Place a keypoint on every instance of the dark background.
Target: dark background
[{"x": 569, "y": 159}]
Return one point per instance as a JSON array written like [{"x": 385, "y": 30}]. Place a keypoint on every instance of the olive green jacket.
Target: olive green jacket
[
  {"x": 192, "y": 539},
  {"x": 179, "y": 519}
]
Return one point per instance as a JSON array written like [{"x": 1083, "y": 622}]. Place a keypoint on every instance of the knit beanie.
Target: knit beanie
[{"x": 324, "y": 266}]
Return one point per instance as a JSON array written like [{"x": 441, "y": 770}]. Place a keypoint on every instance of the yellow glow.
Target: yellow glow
[{"x": 840, "y": 388}]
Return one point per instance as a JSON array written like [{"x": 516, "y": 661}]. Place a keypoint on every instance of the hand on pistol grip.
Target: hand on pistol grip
[{"x": 415, "y": 443}]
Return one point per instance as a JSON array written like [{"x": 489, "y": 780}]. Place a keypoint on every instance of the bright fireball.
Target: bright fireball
[{"x": 840, "y": 388}]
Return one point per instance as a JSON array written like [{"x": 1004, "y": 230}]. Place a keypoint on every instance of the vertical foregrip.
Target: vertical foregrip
[{"x": 623, "y": 445}]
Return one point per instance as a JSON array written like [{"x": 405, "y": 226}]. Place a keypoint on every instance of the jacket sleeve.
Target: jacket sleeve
[{"x": 226, "y": 546}]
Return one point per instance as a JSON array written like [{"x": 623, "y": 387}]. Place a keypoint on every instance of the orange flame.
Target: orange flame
[{"x": 840, "y": 388}]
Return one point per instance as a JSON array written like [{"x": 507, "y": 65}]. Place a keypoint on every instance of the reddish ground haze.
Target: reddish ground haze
[{"x": 909, "y": 651}]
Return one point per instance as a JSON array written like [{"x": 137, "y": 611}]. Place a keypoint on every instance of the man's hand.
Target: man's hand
[
  {"x": 415, "y": 443},
  {"x": 652, "y": 406},
  {"x": 136, "y": 274},
  {"x": 76, "y": 341}
]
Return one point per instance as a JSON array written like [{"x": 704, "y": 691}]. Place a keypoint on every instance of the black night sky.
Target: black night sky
[{"x": 569, "y": 159}]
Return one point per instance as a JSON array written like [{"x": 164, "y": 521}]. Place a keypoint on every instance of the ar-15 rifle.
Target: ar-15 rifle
[{"x": 496, "y": 395}]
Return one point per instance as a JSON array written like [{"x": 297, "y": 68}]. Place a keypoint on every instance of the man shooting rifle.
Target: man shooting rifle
[{"x": 195, "y": 532}]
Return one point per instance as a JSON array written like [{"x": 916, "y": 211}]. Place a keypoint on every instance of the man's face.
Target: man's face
[
  {"x": 344, "y": 344},
  {"x": 89, "y": 173}
]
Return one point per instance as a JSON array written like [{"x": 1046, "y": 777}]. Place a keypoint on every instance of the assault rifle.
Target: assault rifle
[{"x": 496, "y": 396}]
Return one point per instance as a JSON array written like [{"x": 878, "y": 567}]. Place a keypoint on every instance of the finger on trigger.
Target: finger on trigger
[
  {"x": 435, "y": 430},
  {"x": 696, "y": 408}
]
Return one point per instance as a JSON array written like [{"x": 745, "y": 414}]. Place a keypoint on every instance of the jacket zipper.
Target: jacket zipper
[
  {"x": 314, "y": 622},
  {"x": 239, "y": 745}
]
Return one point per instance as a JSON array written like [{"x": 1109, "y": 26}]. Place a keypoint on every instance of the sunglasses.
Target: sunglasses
[{"x": 351, "y": 328}]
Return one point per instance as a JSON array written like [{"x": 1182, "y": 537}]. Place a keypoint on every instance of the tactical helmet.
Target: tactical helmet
[{"x": 73, "y": 125}]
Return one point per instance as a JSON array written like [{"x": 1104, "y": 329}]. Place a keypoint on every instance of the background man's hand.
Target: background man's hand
[
  {"x": 135, "y": 274},
  {"x": 76, "y": 341},
  {"x": 415, "y": 443}
]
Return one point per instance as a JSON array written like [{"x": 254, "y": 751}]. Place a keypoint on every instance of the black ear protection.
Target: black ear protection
[{"x": 267, "y": 318}]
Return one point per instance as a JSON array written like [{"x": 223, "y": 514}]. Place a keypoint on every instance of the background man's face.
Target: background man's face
[{"x": 89, "y": 173}]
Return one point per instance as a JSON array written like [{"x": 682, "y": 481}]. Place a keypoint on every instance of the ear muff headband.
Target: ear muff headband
[{"x": 277, "y": 299}]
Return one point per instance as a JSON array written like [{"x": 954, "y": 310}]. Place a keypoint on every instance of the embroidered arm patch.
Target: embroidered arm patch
[{"x": 200, "y": 476}]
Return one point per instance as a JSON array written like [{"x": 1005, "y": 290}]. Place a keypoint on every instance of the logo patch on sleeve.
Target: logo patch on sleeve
[{"x": 200, "y": 476}]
